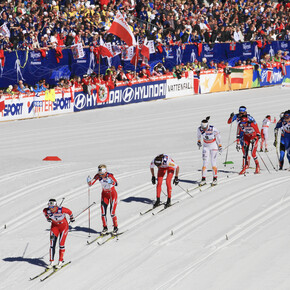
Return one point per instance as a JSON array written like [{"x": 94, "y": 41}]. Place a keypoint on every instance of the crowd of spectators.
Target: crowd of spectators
[{"x": 46, "y": 24}]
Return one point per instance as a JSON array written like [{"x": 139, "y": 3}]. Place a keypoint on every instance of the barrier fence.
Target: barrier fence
[
  {"x": 57, "y": 101},
  {"x": 32, "y": 66}
]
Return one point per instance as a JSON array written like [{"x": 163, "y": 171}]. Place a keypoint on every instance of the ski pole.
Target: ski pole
[
  {"x": 185, "y": 190},
  {"x": 263, "y": 161},
  {"x": 228, "y": 144},
  {"x": 85, "y": 209},
  {"x": 163, "y": 192},
  {"x": 271, "y": 161},
  {"x": 89, "y": 212},
  {"x": 62, "y": 201}
]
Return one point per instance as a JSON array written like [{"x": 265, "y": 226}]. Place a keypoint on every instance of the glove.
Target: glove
[
  {"x": 238, "y": 147},
  {"x": 253, "y": 140},
  {"x": 49, "y": 219},
  {"x": 199, "y": 144},
  {"x": 89, "y": 180},
  {"x": 220, "y": 148},
  {"x": 109, "y": 180},
  {"x": 232, "y": 115},
  {"x": 275, "y": 143},
  {"x": 176, "y": 180},
  {"x": 153, "y": 180},
  {"x": 71, "y": 219}
]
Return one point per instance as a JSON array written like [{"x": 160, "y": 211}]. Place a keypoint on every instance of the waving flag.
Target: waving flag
[
  {"x": 121, "y": 29},
  {"x": 237, "y": 76},
  {"x": 145, "y": 49},
  {"x": 135, "y": 57},
  {"x": 104, "y": 50}
]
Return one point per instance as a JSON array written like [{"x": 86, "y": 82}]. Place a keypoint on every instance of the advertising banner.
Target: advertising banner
[{"x": 179, "y": 87}]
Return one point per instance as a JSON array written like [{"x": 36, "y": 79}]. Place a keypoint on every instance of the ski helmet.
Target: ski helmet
[
  {"x": 52, "y": 203},
  {"x": 204, "y": 124},
  {"x": 158, "y": 160},
  {"x": 242, "y": 109},
  {"x": 287, "y": 114},
  {"x": 268, "y": 117},
  {"x": 102, "y": 169}
]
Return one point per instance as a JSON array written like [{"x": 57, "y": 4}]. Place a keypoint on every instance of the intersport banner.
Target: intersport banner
[
  {"x": 36, "y": 105},
  {"x": 122, "y": 95}
]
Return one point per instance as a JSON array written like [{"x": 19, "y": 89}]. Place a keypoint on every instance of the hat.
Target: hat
[
  {"x": 195, "y": 60},
  {"x": 119, "y": 66}
]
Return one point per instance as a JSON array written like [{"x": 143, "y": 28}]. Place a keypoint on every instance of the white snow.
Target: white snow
[{"x": 234, "y": 236}]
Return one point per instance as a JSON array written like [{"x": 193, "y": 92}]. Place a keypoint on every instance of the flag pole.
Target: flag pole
[
  {"x": 99, "y": 64},
  {"x": 136, "y": 59}
]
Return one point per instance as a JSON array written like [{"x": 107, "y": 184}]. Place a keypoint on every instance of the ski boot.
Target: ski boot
[
  {"x": 214, "y": 181},
  {"x": 115, "y": 231},
  {"x": 281, "y": 163},
  {"x": 261, "y": 150},
  {"x": 257, "y": 167},
  {"x": 168, "y": 202},
  {"x": 244, "y": 169},
  {"x": 202, "y": 182},
  {"x": 157, "y": 202},
  {"x": 104, "y": 231},
  {"x": 266, "y": 150},
  {"x": 59, "y": 265},
  {"x": 50, "y": 265}
]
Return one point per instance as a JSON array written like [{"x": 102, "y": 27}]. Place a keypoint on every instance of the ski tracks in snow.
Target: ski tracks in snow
[{"x": 243, "y": 229}]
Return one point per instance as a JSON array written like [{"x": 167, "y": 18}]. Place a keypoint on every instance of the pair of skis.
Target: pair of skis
[
  {"x": 47, "y": 270},
  {"x": 109, "y": 236},
  {"x": 154, "y": 213}
]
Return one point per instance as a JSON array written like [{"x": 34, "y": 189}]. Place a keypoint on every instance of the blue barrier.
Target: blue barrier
[{"x": 31, "y": 66}]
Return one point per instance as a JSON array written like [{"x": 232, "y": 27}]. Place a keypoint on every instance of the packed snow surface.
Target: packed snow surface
[{"x": 234, "y": 236}]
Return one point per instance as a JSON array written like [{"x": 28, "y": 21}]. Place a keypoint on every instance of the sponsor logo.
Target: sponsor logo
[
  {"x": 247, "y": 49},
  {"x": 35, "y": 58},
  {"x": 284, "y": 45},
  {"x": 128, "y": 95},
  {"x": 34, "y": 54},
  {"x": 208, "y": 51},
  {"x": 83, "y": 102},
  {"x": 138, "y": 93},
  {"x": 80, "y": 101},
  {"x": 62, "y": 104},
  {"x": 246, "y": 46},
  {"x": 179, "y": 87},
  {"x": 13, "y": 109}
]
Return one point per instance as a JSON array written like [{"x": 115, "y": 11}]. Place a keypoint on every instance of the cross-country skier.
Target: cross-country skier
[
  {"x": 282, "y": 142},
  {"x": 211, "y": 145},
  {"x": 109, "y": 195},
  {"x": 237, "y": 117},
  {"x": 165, "y": 164},
  {"x": 59, "y": 228},
  {"x": 251, "y": 135},
  {"x": 265, "y": 132},
  {"x": 284, "y": 124}
]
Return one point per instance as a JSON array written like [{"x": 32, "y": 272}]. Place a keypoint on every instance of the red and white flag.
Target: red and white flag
[
  {"x": 104, "y": 49},
  {"x": 145, "y": 49},
  {"x": 121, "y": 29},
  {"x": 135, "y": 57}
]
